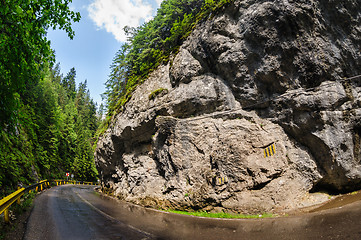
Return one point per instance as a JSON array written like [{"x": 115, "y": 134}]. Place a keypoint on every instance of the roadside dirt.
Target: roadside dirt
[{"x": 15, "y": 230}]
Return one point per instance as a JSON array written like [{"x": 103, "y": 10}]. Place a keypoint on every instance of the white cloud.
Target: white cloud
[
  {"x": 113, "y": 15},
  {"x": 159, "y": 2}
]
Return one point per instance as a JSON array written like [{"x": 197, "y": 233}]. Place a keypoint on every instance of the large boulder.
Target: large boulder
[{"x": 257, "y": 76}]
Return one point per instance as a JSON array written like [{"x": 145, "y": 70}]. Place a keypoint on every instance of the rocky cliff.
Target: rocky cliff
[{"x": 258, "y": 108}]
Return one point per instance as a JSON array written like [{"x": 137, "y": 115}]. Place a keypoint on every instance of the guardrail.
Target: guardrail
[
  {"x": 61, "y": 182},
  {"x": 7, "y": 201}
]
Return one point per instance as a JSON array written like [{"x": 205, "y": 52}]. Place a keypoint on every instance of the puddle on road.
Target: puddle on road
[{"x": 339, "y": 201}]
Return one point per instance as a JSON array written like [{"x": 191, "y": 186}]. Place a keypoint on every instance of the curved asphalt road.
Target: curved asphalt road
[{"x": 78, "y": 212}]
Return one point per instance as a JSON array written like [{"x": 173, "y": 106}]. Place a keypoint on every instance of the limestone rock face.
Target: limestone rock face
[{"x": 257, "y": 114}]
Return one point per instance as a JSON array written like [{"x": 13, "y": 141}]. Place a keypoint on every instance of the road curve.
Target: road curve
[{"x": 78, "y": 212}]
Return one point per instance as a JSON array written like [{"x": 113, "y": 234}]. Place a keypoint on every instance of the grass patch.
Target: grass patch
[
  {"x": 220, "y": 215},
  {"x": 156, "y": 92}
]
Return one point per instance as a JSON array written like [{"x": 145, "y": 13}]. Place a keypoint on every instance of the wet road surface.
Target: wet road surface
[{"x": 78, "y": 212}]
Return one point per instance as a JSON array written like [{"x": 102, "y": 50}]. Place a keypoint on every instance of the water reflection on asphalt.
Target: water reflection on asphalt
[{"x": 340, "y": 222}]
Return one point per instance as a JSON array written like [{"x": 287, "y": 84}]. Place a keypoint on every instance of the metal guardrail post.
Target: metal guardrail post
[
  {"x": 6, "y": 215},
  {"x": 19, "y": 197}
]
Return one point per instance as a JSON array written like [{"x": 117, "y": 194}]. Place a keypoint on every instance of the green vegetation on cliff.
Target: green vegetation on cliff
[
  {"x": 46, "y": 123},
  {"x": 151, "y": 44}
]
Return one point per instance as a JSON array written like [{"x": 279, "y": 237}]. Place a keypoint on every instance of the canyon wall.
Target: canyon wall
[{"x": 258, "y": 108}]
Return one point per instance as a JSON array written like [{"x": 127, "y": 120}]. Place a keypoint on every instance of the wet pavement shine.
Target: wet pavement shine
[{"x": 78, "y": 212}]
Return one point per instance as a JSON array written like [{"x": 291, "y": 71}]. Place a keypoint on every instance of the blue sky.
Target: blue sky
[{"x": 98, "y": 36}]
